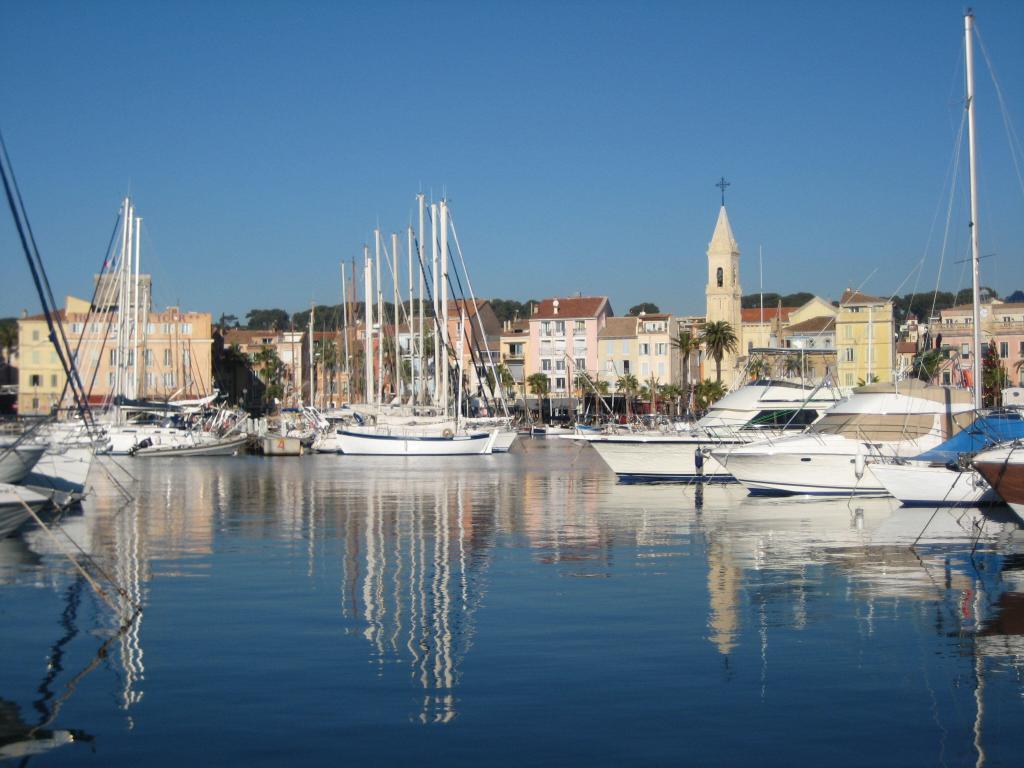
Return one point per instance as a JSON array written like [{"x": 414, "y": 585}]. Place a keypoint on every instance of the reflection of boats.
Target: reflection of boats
[
  {"x": 747, "y": 414},
  {"x": 877, "y": 421},
  {"x": 19, "y": 740},
  {"x": 1003, "y": 468},
  {"x": 212, "y": 446},
  {"x": 15, "y": 503}
]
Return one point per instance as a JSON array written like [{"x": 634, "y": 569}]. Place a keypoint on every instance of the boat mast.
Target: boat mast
[
  {"x": 312, "y": 357},
  {"x": 421, "y": 393},
  {"x": 344, "y": 331},
  {"x": 443, "y": 320},
  {"x": 368, "y": 332},
  {"x": 396, "y": 357},
  {"x": 975, "y": 247},
  {"x": 135, "y": 315},
  {"x": 434, "y": 301},
  {"x": 380, "y": 320},
  {"x": 411, "y": 328}
]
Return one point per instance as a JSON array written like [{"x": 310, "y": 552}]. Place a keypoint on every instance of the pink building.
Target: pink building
[
  {"x": 563, "y": 339},
  {"x": 1001, "y": 323}
]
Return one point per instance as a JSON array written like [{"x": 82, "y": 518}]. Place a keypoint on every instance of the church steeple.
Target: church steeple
[{"x": 722, "y": 241}]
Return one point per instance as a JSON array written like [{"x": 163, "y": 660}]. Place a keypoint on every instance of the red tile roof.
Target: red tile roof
[
  {"x": 572, "y": 307},
  {"x": 770, "y": 313},
  {"x": 813, "y": 325},
  {"x": 853, "y": 297}
]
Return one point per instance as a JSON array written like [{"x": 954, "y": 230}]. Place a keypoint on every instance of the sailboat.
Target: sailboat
[{"x": 938, "y": 477}]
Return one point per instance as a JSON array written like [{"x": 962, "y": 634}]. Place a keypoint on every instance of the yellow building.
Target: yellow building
[
  {"x": 174, "y": 360},
  {"x": 865, "y": 339}
]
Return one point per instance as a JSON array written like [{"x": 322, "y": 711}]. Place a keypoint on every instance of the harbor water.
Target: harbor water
[{"x": 520, "y": 609}]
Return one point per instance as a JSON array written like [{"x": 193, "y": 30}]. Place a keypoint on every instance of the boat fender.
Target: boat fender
[
  {"x": 447, "y": 433},
  {"x": 859, "y": 461}
]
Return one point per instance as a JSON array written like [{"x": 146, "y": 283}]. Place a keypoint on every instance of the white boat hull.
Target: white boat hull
[
  {"x": 640, "y": 458},
  {"x": 12, "y": 511},
  {"x": 917, "y": 485},
  {"x": 277, "y": 445},
  {"x": 503, "y": 440},
  {"x": 63, "y": 469},
  {"x": 16, "y": 463},
  {"x": 369, "y": 444},
  {"x": 228, "y": 447}
]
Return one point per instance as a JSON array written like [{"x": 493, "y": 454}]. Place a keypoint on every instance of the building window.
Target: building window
[
  {"x": 35, "y": 380},
  {"x": 559, "y": 328},
  {"x": 848, "y": 354},
  {"x": 560, "y": 384},
  {"x": 515, "y": 350},
  {"x": 167, "y": 357},
  {"x": 965, "y": 351},
  {"x": 579, "y": 326},
  {"x": 53, "y": 380},
  {"x": 849, "y": 379},
  {"x": 76, "y": 327},
  {"x": 113, "y": 357},
  {"x": 168, "y": 380},
  {"x": 644, "y": 349},
  {"x": 186, "y": 329},
  {"x": 560, "y": 364},
  {"x": 150, "y": 329},
  {"x": 110, "y": 379},
  {"x": 1004, "y": 349},
  {"x": 545, "y": 365},
  {"x": 625, "y": 346},
  {"x": 720, "y": 276},
  {"x": 625, "y": 367},
  {"x": 580, "y": 363},
  {"x": 945, "y": 377},
  {"x": 148, "y": 357},
  {"x": 35, "y": 335},
  {"x": 661, "y": 349},
  {"x": 35, "y": 403}
]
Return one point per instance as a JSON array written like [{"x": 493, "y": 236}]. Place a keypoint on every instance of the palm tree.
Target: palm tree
[
  {"x": 757, "y": 367},
  {"x": 708, "y": 392},
  {"x": 791, "y": 366},
  {"x": 673, "y": 395},
  {"x": 539, "y": 384},
  {"x": 718, "y": 339},
  {"x": 869, "y": 379},
  {"x": 652, "y": 392},
  {"x": 686, "y": 343},
  {"x": 628, "y": 385},
  {"x": 1018, "y": 366}
]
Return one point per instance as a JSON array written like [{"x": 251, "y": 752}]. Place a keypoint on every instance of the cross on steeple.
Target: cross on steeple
[{"x": 722, "y": 184}]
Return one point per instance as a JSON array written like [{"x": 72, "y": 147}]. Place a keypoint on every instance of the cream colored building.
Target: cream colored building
[
  {"x": 723, "y": 291},
  {"x": 174, "y": 359},
  {"x": 865, "y": 339}
]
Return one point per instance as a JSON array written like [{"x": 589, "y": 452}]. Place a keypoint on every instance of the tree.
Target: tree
[
  {"x": 646, "y": 307},
  {"x": 1017, "y": 297},
  {"x": 719, "y": 338},
  {"x": 926, "y": 364},
  {"x": 270, "y": 368},
  {"x": 266, "y": 319},
  {"x": 673, "y": 395},
  {"x": 507, "y": 381},
  {"x": 708, "y": 392},
  {"x": 8, "y": 337},
  {"x": 539, "y": 384},
  {"x": 627, "y": 384},
  {"x": 757, "y": 367},
  {"x": 791, "y": 366},
  {"x": 686, "y": 344},
  {"x": 993, "y": 377},
  {"x": 769, "y": 300},
  {"x": 228, "y": 321},
  {"x": 869, "y": 379}
]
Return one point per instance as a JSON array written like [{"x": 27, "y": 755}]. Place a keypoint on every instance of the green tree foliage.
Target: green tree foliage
[
  {"x": 538, "y": 384},
  {"x": 718, "y": 338},
  {"x": 646, "y": 307},
  {"x": 993, "y": 376},
  {"x": 8, "y": 337},
  {"x": 1017, "y": 297},
  {"x": 708, "y": 392},
  {"x": 228, "y": 321},
  {"x": 266, "y": 319},
  {"x": 510, "y": 309}
]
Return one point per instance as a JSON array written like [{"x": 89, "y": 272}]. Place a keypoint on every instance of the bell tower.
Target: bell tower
[{"x": 723, "y": 289}]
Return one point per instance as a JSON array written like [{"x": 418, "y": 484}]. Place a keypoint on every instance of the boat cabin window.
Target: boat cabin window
[
  {"x": 783, "y": 419},
  {"x": 882, "y": 428}
]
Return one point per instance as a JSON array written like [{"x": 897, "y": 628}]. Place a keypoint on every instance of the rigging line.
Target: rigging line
[
  {"x": 1011, "y": 135},
  {"x": 949, "y": 210},
  {"x": 21, "y": 222}
]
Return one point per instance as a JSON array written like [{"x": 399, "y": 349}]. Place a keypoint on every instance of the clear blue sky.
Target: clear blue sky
[{"x": 578, "y": 142}]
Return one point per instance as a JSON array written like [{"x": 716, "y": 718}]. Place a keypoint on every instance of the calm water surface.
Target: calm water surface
[{"x": 509, "y": 610}]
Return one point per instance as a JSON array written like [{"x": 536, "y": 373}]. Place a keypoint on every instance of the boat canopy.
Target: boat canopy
[{"x": 986, "y": 430}]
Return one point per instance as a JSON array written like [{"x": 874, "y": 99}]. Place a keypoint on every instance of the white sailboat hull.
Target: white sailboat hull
[
  {"x": 377, "y": 444},
  {"x": 12, "y": 511},
  {"x": 213, "y": 447},
  {"x": 63, "y": 469},
  {"x": 16, "y": 463}
]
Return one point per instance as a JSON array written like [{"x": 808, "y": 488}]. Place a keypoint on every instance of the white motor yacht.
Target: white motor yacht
[
  {"x": 760, "y": 408},
  {"x": 879, "y": 421}
]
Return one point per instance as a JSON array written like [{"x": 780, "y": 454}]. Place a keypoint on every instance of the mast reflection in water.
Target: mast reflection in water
[{"x": 438, "y": 609}]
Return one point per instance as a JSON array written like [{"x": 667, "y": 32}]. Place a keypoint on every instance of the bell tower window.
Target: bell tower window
[{"x": 719, "y": 275}]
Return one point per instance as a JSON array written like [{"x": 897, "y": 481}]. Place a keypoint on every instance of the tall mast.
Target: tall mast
[
  {"x": 135, "y": 315},
  {"x": 395, "y": 280},
  {"x": 380, "y": 321},
  {"x": 312, "y": 357},
  {"x": 409, "y": 317},
  {"x": 368, "y": 332},
  {"x": 975, "y": 247},
  {"x": 434, "y": 301},
  {"x": 344, "y": 331},
  {"x": 419, "y": 346},
  {"x": 443, "y": 320}
]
